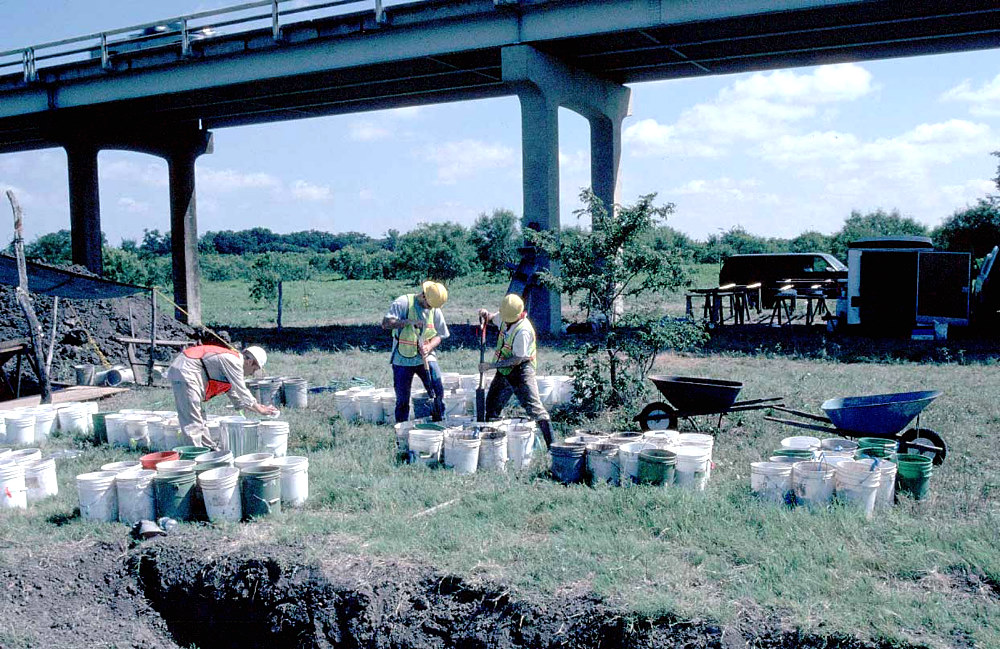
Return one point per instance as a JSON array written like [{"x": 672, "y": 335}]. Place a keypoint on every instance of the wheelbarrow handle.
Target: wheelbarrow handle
[
  {"x": 806, "y": 415},
  {"x": 801, "y": 424}
]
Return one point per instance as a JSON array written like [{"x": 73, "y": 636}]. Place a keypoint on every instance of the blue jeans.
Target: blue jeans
[{"x": 402, "y": 379}]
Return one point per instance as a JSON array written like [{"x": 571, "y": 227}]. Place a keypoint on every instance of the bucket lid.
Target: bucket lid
[{"x": 261, "y": 471}]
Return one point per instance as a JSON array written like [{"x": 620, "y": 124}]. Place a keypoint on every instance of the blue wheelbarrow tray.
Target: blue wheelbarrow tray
[{"x": 878, "y": 414}]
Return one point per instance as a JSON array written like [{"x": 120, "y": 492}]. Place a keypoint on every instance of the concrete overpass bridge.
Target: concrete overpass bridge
[{"x": 161, "y": 88}]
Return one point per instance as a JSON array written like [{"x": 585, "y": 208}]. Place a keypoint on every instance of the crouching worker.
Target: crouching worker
[
  {"x": 418, "y": 327},
  {"x": 515, "y": 364},
  {"x": 202, "y": 372}
]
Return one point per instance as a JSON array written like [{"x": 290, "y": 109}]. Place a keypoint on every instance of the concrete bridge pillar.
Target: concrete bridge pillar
[
  {"x": 84, "y": 205},
  {"x": 543, "y": 84}
]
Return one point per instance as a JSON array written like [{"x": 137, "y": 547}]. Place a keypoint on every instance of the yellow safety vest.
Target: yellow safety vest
[
  {"x": 505, "y": 344},
  {"x": 406, "y": 338}
]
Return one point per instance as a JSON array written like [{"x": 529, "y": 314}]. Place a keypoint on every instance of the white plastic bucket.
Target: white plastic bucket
[
  {"x": 252, "y": 459},
  {"x": 771, "y": 480},
  {"x": 493, "y": 452},
  {"x": 40, "y": 479},
  {"x": 45, "y": 423},
  {"x": 858, "y": 483},
  {"x": 602, "y": 462},
  {"x": 813, "y": 483},
  {"x": 25, "y": 456},
  {"x": 124, "y": 465},
  {"x": 402, "y": 436},
  {"x": 175, "y": 467},
  {"x": 454, "y": 403},
  {"x": 294, "y": 479},
  {"x": 137, "y": 429},
  {"x": 693, "y": 466},
  {"x": 887, "y": 487},
  {"x": 461, "y": 451},
  {"x": 425, "y": 445},
  {"x": 20, "y": 427},
  {"x": 98, "y": 497},
  {"x": 13, "y": 492},
  {"x": 296, "y": 392},
  {"x": 801, "y": 442},
  {"x": 74, "y": 419},
  {"x": 136, "y": 498},
  {"x": 370, "y": 406},
  {"x": 661, "y": 438},
  {"x": 155, "y": 428},
  {"x": 221, "y": 490},
  {"x": 628, "y": 456},
  {"x": 115, "y": 424},
  {"x": 274, "y": 437},
  {"x": 346, "y": 403},
  {"x": 520, "y": 445}
]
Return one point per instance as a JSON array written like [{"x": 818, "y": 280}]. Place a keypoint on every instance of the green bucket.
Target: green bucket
[
  {"x": 913, "y": 475},
  {"x": 657, "y": 466},
  {"x": 190, "y": 452},
  {"x": 877, "y": 452},
  {"x": 260, "y": 490},
  {"x": 878, "y": 442},
  {"x": 175, "y": 495},
  {"x": 801, "y": 453},
  {"x": 100, "y": 428}
]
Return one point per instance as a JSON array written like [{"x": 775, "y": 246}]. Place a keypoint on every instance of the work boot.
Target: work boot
[{"x": 546, "y": 427}]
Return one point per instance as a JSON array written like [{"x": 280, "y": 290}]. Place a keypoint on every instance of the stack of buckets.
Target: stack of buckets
[
  {"x": 864, "y": 474},
  {"x": 34, "y": 425},
  {"x": 291, "y": 392},
  {"x": 467, "y": 446},
  {"x": 657, "y": 457},
  {"x": 25, "y": 478}
]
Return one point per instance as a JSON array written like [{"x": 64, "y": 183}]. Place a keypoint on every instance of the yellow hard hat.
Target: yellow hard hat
[
  {"x": 435, "y": 294},
  {"x": 511, "y": 307}
]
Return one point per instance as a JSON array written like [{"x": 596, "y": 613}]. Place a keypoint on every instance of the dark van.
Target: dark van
[{"x": 771, "y": 269}]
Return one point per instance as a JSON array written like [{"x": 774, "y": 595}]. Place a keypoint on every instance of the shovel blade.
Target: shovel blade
[{"x": 480, "y": 404}]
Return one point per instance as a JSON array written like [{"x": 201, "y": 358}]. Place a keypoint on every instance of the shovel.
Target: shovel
[
  {"x": 436, "y": 415},
  {"x": 480, "y": 392}
]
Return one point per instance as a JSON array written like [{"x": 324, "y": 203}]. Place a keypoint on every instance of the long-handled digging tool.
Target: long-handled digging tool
[
  {"x": 480, "y": 392},
  {"x": 436, "y": 414}
]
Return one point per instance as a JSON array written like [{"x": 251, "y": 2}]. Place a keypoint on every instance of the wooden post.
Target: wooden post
[
  {"x": 34, "y": 328},
  {"x": 52, "y": 341},
  {"x": 280, "y": 299},
  {"x": 152, "y": 334}
]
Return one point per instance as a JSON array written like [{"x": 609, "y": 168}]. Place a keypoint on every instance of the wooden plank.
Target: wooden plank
[
  {"x": 128, "y": 340},
  {"x": 72, "y": 393}
]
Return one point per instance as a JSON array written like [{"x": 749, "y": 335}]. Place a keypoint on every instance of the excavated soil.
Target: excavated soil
[{"x": 181, "y": 591}]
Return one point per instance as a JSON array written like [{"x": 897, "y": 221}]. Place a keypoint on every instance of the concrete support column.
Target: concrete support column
[
  {"x": 605, "y": 155},
  {"x": 184, "y": 235},
  {"x": 85, "y": 205},
  {"x": 540, "y": 163}
]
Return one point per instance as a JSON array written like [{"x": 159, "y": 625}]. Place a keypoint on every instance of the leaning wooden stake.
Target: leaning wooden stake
[
  {"x": 34, "y": 327},
  {"x": 52, "y": 340}
]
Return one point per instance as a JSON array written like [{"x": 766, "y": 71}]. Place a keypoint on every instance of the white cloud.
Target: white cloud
[
  {"x": 758, "y": 108},
  {"x": 305, "y": 191},
  {"x": 228, "y": 180},
  {"x": 366, "y": 194},
  {"x": 405, "y": 113},
  {"x": 149, "y": 174},
  {"x": 132, "y": 206},
  {"x": 725, "y": 190},
  {"x": 983, "y": 101},
  {"x": 365, "y": 130},
  {"x": 466, "y": 158},
  {"x": 574, "y": 163}
]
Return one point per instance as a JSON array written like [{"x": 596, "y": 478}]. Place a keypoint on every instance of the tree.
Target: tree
[
  {"x": 125, "y": 266},
  {"x": 975, "y": 229},
  {"x": 496, "y": 238},
  {"x": 613, "y": 262},
  {"x": 354, "y": 262},
  {"x": 154, "y": 243},
  {"x": 810, "y": 241},
  {"x": 55, "y": 248},
  {"x": 439, "y": 251},
  {"x": 874, "y": 224},
  {"x": 264, "y": 279}
]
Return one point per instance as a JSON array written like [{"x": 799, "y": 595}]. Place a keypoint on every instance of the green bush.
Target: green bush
[
  {"x": 874, "y": 224},
  {"x": 357, "y": 263},
  {"x": 439, "y": 251},
  {"x": 975, "y": 229},
  {"x": 496, "y": 238}
]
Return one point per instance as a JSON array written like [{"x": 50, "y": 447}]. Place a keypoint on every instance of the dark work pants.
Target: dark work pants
[{"x": 402, "y": 379}]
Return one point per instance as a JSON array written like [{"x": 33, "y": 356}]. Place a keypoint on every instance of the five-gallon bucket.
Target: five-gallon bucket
[
  {"x": 771, "y": 480},
  {"x": 296, "y": 392},
  {"x": 887, "y": 487},
  {"x": 839, "y": 444},
  {"x": 520, "y": 444},
  {"x": 425, "y": 444},
  {"x": 628, "y": 458},
  {"x": 914, "y": 474},
  {"x": 403, "y": 440},
  {"x": 115, "y": 428},
  {"x": 13, "y": 492},
  {"x": 25, "y": 456},
  {"x": 137, "y": 429},
  {"x": 657, "y": 466},
  {"x": 243, "y": 435},
  {"x": 252, "y": 459},
  {"x": 273, "y": 437},
  {"x": 567, "y": 462},
  {"x": 461, "y": 451},
  {"x": 98, "y": 425},
  {"x": 74, "y": 419},
  {"x": 220, "y": 489},
  {"x": 118, "y": 467},
  {"x": 175, "y": 493},
  {"x": 493, "y": 451},
  {"x": 190, "y": 452},
  {"x": 98, "y": 498},
  {"x": 40, "y": 479},
  {"x": 858, "y": 483},
  {"x": 175, "y": 467},
  {"x": 261, "y": 490},
  {"x": 625, "y": 437},
  {"x": 20, "y": 427},
  {"x": 45, "y": 423},
  {"x": 136, "y": 499},
  {"x": 813, "y": 483},
  {"x": 694, "y": 464},
  {"x": 661, "y": 438},
  {"x": 602, "y": 462},
  {"x": 294, "y": 479},
  {"x": 150, "y": 460},
  {"x": 212, "y": 460}
]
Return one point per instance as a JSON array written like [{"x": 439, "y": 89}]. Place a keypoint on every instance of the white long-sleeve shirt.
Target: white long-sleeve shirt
[{"x": 220, "y": 367}]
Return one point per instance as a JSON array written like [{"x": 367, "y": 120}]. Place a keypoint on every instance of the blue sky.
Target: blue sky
[{"x": 777, "y": 153}]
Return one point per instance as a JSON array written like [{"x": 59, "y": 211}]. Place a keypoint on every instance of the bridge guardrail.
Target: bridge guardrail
[{"x": 177, "y": 32}]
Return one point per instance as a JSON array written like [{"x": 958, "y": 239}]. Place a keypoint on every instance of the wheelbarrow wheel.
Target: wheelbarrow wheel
[
  {"x": 926, "y": 437},
  {"x": 657, "y": 416}
]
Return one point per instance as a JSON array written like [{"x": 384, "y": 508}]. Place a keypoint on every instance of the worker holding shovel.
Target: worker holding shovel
[
  {"x": 515, "y": 364},
  {"x": 418, "y": 327}
]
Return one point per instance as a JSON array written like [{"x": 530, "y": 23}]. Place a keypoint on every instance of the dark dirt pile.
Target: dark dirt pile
[
  {"x": 181, "y": 591},
  {"x": 104, "y": 319}
]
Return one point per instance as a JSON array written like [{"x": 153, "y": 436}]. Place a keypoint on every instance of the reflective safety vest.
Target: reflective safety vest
[
  {"x": 505, "y": 343},
  {"x": 215, "y": 388},
  {"x": 406, "y": 338}
]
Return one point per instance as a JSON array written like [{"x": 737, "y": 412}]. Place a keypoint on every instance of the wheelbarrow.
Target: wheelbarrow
[
  {"x": 690, "y": 396},
  {"x": 878, "y": 415}
]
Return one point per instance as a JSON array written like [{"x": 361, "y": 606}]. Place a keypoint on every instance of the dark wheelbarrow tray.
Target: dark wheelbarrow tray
[
  {"x": 688, "y": 396},
  {"x": 877, "y": 415}
]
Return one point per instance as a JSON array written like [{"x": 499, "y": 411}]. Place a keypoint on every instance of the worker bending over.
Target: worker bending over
[
  {"x": 515, "y": 364},
  {"x": 418, "y": 327},
  {"x": 205, "y": 371}
]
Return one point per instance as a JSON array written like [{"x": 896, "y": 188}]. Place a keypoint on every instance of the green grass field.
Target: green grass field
[{"x": 926, "y": 572}]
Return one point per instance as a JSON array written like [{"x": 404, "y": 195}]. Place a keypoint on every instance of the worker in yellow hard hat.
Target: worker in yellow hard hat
[
  {"x": 418, "y": 327},
  {"x": 515, "y": 364}
]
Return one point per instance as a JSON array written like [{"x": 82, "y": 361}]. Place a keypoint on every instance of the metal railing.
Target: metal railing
[{"x": 179, "y": 31}]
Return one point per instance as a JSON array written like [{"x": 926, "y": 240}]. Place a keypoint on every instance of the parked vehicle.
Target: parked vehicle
[
  {"x": 771, "y": 269},
  {"x": 156, "y": 36}
]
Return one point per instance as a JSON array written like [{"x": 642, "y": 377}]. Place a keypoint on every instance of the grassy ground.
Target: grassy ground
[{"x": 923, "y": 572}]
